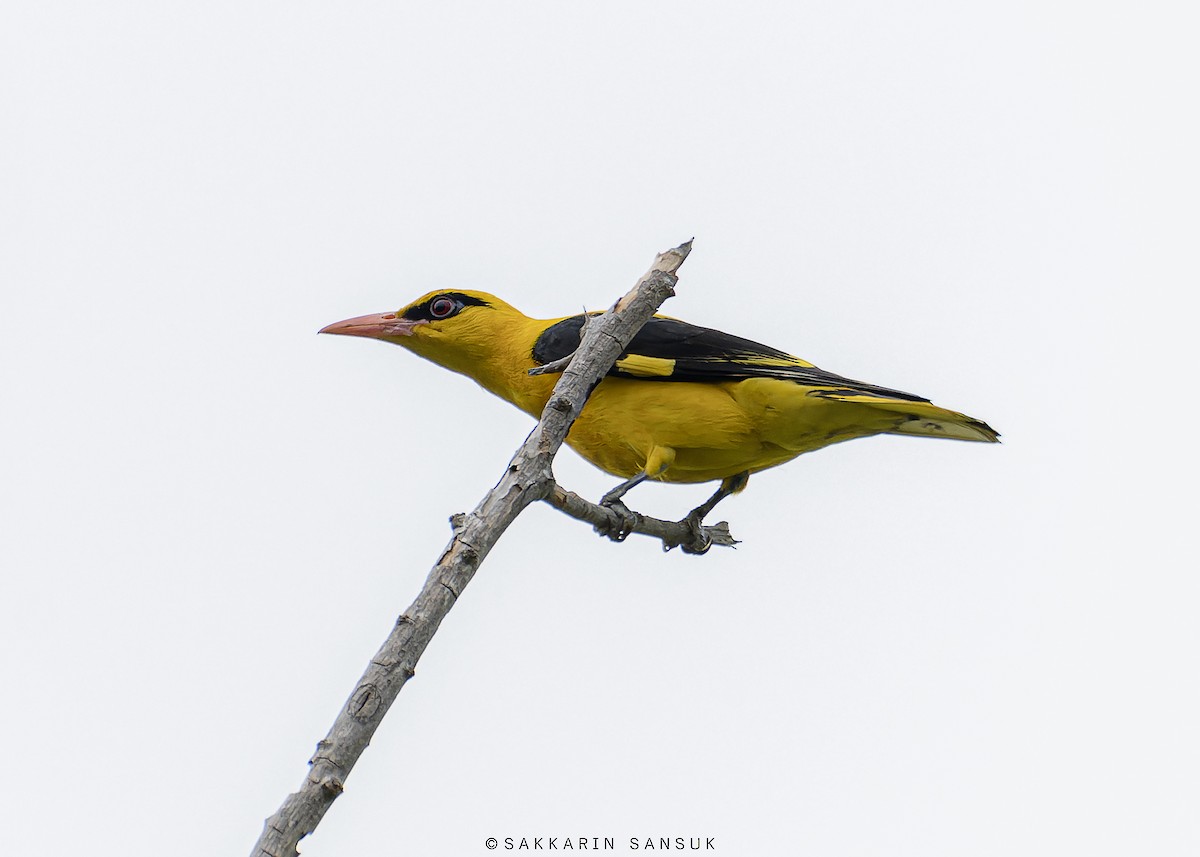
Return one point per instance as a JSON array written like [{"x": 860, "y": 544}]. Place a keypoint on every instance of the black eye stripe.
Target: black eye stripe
[{"x": 442, "y": 306}]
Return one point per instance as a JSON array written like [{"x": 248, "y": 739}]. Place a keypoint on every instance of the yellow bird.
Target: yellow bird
[{"x": 682, "y": 404}]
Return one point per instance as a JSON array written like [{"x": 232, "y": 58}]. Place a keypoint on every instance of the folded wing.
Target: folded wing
[{"x": 667, "y": 349}]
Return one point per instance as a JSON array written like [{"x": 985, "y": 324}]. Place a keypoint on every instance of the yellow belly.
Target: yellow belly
[{"x": 710, "y": 431}]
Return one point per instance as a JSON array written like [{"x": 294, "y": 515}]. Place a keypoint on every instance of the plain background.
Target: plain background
[{"x": 211, "y": 516}]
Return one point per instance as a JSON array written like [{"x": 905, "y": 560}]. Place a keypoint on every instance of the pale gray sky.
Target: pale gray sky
[{"x": 212, "y": 516}]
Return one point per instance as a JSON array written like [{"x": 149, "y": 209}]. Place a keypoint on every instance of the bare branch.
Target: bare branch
[
  {"x": 528, "y": 478},
  {"x": 553, "y": 366},
  {"x": 672, "y": 533}
]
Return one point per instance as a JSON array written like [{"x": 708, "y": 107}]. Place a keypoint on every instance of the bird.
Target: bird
[{"x": 682, "y": 404}]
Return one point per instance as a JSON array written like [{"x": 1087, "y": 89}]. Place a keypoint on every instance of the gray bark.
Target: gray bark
[
  {"x": 672, "y": 533},
  {"x": 528, "y": 478}
]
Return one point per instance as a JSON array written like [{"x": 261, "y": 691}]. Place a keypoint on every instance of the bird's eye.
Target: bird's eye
[{"x": 442, "y": 307}]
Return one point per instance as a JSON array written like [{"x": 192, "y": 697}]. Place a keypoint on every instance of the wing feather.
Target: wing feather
[{"x": 667, "y": 349}]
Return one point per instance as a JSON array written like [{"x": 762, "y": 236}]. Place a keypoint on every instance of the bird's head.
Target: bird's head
[{"x": 458, "y": 329}]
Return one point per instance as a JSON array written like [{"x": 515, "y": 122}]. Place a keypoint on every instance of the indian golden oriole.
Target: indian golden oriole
[{"x": 682, "y": 404}]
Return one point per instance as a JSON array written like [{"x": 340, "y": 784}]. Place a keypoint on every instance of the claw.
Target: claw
[
  {"x": 700, "y": 536},
  {"x": 626, "y": 520}
]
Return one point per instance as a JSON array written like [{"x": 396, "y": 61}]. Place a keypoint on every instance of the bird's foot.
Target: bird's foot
[
  {"x": 700, "y": 541},
  {"x": 623, "y": 520}
]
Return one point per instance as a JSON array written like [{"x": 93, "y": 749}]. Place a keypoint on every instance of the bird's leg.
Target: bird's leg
[
  {"x": 612, "y": 500},
  {"x": 695, "y": 518},
  {"x": 614, "y": 496},
  {"x": 729, "y": 485},
  {"x": 657, "y": 461}
]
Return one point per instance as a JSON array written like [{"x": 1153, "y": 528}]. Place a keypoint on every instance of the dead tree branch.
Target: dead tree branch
[
  {"x": 527, "y": 479},
  {"x": 672, "y": 533}
]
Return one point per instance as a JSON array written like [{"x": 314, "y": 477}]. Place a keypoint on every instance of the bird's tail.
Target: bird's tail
[{"x": 924, "y": 418}]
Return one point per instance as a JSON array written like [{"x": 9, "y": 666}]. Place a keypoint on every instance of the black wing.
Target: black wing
[{"x": 667, "y": 349}]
